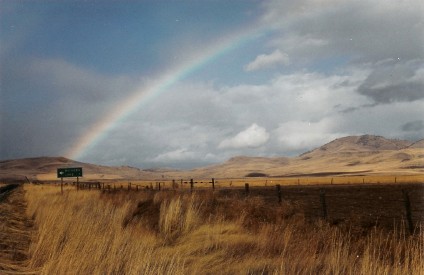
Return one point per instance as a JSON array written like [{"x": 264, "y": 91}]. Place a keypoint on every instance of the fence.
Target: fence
[{"x": 367, "y": 204}]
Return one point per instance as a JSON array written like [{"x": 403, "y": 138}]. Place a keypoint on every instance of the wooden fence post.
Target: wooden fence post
[
  {"x": 246, "y": 189},
  {"x": 323, "y": 203},
  {"x": 173, "y": 184},
  {"x": 279, "y": 193},
  {"x": 191, "y": 185},
  {"x": 129, "y": 186},
  {"x": 408, "y": 210}
]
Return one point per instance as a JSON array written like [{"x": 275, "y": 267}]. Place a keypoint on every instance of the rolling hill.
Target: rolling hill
[{"x": 365, "y": 154}]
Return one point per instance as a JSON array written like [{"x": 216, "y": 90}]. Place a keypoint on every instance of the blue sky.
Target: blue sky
[
  {"x": 120, "y": 38},
  {"x": 265, "y": 78}
]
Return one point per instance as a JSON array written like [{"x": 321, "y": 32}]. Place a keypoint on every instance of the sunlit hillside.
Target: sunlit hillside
[{"x": 360, "y": 155}]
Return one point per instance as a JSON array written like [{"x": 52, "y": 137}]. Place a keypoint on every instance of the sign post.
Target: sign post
[{"x": 69, "y": 173}]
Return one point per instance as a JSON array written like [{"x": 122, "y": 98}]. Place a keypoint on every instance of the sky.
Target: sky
[{"x": 184, "y": 84}]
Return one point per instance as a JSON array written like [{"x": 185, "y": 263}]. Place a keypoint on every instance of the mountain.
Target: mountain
[
  {"x": 366, "y": 154},
  {"x": 359, "y": 144}
]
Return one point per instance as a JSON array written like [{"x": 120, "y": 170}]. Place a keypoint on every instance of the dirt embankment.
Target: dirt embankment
[{"x": 15, "y": 231}]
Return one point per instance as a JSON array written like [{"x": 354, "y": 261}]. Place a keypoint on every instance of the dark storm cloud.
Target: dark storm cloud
[
  {"x": 47, "y": 103},
  {"x": 413, "y": 126},
  {"x": 395, "y": 82},
  {"x": 363, "y": 31},
  {"x": 387, "y": 38}
]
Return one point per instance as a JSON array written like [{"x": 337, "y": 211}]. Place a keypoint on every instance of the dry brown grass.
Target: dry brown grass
[
  {"x": 165, "y": 233},
  {"x": 15, "y": 233},
  {"x": 272, "y": 181}
]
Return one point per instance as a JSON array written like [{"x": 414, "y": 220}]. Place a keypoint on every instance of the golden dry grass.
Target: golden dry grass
[
  {"x": 165, "y": 233},
  {"x": 15, "y": 234},
  {"x": 240, "y": 182}
]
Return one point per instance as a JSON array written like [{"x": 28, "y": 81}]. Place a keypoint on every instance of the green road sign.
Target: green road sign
[{"x": 69, "y": 172}]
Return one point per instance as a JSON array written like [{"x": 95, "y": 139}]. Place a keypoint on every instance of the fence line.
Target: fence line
[{"x": 402, "y": 201}]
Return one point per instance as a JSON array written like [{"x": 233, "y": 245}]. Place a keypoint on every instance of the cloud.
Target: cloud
[
  {"x": 265, "y": 61},
  {"x": 395, "y": 81},
  {"x": 364, "y": 31},
  {"x": 305, "y": 135},
  {"x": 200, "y": 118},
  {"x": 176, "y": 155},
  {"x": 413, "y": 126},
  {"x": 252, "y": 137},
  {"x": 58, "y": 102},
  {"x": 193, "y": 124}
]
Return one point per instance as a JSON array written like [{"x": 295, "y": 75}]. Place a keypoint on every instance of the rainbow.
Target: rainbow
[{"x": 144, "y": 94}]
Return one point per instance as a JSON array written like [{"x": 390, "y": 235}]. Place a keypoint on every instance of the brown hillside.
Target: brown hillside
[
  {"x": 352, "y": 155},
  {"x": 417, "y": 144},
  {"x": 45, "y": 168},
  {"x": 359, "y": 144}
]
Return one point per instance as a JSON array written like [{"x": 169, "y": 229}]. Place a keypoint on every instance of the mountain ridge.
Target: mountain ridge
[{"x": 351, "y": 154}]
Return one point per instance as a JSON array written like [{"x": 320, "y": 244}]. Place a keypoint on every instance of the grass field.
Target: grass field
[
  {"x": 83, "y": 232},
  {"x": 269, "y": 181}
]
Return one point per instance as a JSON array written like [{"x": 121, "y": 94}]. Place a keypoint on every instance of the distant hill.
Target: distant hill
[
  {"x": 45, "y": 168},
  {"x": 366, "y": 154},
  {"x": 360, "y": 144},
  {"x": 417, "y": 144}
]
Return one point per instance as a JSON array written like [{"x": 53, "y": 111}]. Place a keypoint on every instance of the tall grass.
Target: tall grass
[
  {"x": 164, "y": 233},
  {"x": 15, "y": 233}
]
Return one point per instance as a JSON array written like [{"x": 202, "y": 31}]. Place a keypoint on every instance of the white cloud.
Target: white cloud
[
  {"x": 305, "y": 135},
  {"x": 252, "y": 137},
  {"x": 159, "y": 131},
  {"x": 175, "y": 155},
  {"x": 265, "y": 61}
]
